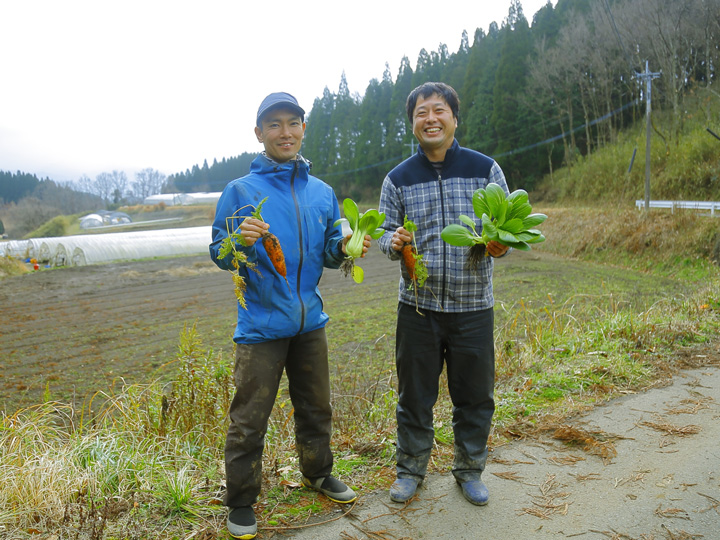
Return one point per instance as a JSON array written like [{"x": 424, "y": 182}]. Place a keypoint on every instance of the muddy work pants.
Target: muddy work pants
[
  {"x": 463, "y": 342},
  {"x": 258, "y": 370}
]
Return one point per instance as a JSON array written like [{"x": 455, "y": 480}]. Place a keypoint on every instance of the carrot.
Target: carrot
[
  {"x": 274, "y": 251},
  {"x": 408, "y": 255}
]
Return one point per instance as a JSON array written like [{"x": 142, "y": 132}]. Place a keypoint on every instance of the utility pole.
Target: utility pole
[
  {"x": 412, "y": 147},
  {"x": 648, "y": 77}
]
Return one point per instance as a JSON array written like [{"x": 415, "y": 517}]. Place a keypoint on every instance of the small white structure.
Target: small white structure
[
  {"x": 104, "y": 218},
  {"x": 14, "y": 248},
  {"x": 183, "y": 199},
  {"x": 85, "y": 249}
]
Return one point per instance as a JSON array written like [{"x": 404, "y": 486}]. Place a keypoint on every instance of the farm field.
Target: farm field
[{"x": 71, "y": 332}]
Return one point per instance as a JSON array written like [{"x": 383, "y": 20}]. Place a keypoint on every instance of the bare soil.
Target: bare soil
[{"x": 68, "y": 333}]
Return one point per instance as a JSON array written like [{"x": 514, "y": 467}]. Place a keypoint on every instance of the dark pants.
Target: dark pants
[
  {"x": 258, "y": 370},
  {"x": 464, "y": 343}
]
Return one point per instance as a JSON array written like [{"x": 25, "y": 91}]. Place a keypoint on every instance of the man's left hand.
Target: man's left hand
[
  {"x": 496, "y": 249},
  {"x": 366, "y": 244}
]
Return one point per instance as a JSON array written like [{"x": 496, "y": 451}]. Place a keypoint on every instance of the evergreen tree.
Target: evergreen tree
[
  {"x": 14, "y": 187},
  {"x": 510, "y": 117},
  {"x": 475, "y": 129}
]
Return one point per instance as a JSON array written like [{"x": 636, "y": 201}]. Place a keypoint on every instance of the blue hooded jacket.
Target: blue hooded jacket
[{"x": 301, "y": 211}]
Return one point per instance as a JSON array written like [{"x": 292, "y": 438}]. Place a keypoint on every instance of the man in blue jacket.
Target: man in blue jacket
[
  {"x": 453, "y": 322},
  {"x": 282, "y": 326}
]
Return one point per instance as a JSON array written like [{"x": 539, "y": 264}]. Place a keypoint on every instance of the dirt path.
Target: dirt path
[{"x": 664, "y": 482}]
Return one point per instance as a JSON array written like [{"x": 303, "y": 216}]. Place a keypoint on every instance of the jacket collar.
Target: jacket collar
[
  {"x": 263, "y": 164},
  {"x": 449, "y": 155}
]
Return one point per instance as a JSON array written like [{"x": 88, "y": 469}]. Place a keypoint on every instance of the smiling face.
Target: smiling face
[
  {"x": 434, "y": 126},
  {"x": 281, "y": 132}
]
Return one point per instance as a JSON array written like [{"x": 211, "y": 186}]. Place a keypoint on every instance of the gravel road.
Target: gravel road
[{"x": 664, "y": 482}]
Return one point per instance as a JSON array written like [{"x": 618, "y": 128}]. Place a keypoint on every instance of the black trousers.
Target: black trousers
[
  {"x": 463, "y": 342},
  {"x": 258, "y": 370}
]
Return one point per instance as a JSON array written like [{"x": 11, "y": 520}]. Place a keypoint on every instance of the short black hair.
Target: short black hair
[{"x": 427, "y": 89}]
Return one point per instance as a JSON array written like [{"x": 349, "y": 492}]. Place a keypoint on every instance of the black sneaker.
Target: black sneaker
[
  {"x": 241, "y": 523},
  {"x": 332, "y": 488}
]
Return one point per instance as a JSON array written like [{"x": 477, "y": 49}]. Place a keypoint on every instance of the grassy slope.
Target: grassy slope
[{"x": 683, "y": 168}]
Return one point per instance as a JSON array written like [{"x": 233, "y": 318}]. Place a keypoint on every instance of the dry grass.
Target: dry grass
[
  {"x": 10, "y": 266},
  {"x": 550, "y": 501},
  {"x": 626, "y": 235},
  {"x": 692, "y": 406},
  {"x": 671, "y": 429},
  {"x": 597, "y": 443}
]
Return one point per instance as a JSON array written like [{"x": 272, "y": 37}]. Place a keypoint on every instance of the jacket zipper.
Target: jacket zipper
[
  {"x": 444, "y": 247},
  {"x": 300, "y": 246}
]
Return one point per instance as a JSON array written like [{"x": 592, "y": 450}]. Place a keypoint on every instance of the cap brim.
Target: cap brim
[{"x": 282, "y": 105}]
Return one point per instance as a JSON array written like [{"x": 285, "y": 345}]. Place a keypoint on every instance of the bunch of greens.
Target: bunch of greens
[
  {"x": 361, "y": 224},
  {"x": 507, "y": 220}
]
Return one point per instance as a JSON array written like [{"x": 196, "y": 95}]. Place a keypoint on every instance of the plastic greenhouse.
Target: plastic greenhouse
[{"x": 85, "y": 249}]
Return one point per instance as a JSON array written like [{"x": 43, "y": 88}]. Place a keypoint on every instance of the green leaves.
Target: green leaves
[
  {"x": 508, "y": 220},
  {"x": 457, "y": 235},
  {"x": 361, "y": 224}
]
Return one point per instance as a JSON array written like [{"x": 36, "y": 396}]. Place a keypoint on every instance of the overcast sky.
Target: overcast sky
[{"x": 94, "y": 86}]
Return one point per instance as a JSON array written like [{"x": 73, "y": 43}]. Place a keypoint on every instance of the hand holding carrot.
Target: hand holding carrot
[
  {"x": 401, "y": 237},
  {"x": 252, "y": 229}
]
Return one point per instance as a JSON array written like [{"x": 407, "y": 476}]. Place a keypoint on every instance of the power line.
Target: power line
[
  {"x": 565, "y": 134},
  {"x": 617, "y": 34},
  {"x": 602, "y": 118}
]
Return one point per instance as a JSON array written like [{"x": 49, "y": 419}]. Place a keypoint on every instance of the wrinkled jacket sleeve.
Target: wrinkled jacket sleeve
[
  {"x": 392, "y": 205},
  {"x": 227, "y": 205}
]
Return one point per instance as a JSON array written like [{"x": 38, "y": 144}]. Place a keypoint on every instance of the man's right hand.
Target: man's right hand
[
  {"x": 399, "y": 238},
  {"x": 251, "y": 229}
]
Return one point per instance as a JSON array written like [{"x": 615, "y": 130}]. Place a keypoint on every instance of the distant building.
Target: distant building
[
  {"x": 104, "y": 218},
  {"x": 183, "y": 199}
]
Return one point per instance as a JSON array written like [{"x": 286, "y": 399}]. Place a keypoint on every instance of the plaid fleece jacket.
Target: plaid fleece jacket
[{"x": 431, "y": 200}]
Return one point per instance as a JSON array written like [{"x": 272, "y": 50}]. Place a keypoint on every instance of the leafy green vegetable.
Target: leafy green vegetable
[
  {"x": 361, "y": 224},
  {"x": 507, "y": 220}
]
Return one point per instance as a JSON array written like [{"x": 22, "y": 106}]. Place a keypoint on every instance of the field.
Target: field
[{"x": 71, "y": 332}]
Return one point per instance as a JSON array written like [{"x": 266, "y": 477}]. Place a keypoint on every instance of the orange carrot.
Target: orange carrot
[
  {"x": 408, "y": 255},
  {"x": 274, "y": 251}
]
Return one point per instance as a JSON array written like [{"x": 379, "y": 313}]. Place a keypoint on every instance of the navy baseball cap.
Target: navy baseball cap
[{"x": 277, "y": 99}]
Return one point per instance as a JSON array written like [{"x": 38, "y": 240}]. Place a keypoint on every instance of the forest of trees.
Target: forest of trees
[
  {"x": 27, "y": 201},
  {"x": 534, "y": 97},
  {"x": 213, "y": 178}
]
